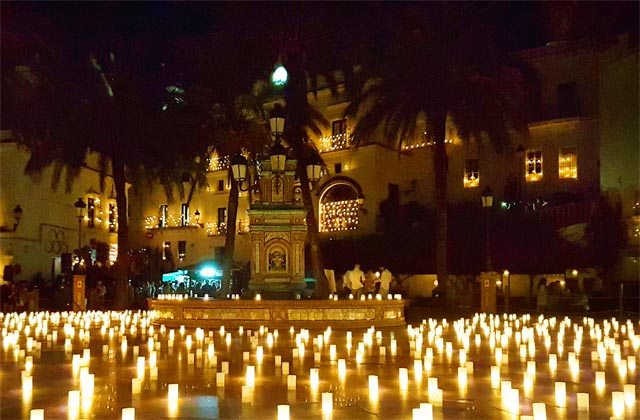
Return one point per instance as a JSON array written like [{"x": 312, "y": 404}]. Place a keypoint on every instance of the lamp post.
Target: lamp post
[
  {"x": 520, "y": 151},
  {"x": 507, "y": 280},
  {"x": 196, "y": 216},
  {"x": 487, "y": 203},
  {"x": 17, "y": 215},
  {"x": 80, "y": 207}
]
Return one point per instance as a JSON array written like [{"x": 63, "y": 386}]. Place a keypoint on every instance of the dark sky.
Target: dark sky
[{"x": 522, "y": 24}]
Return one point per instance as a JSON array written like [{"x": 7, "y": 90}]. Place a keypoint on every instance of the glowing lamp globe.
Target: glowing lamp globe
[
  {"x": 279, "y": 77},
  {"x": 239, "y": 168}
]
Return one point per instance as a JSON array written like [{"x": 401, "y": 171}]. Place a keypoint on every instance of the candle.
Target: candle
[
  {"x": 283, "y": 412},
  {"x": 27, "y": 387},
  {"x": 128, "y": 413},
  {"x": 327, "y": 403},
  {"x": 73, "y": 403},
  {"x": 437, "y": 398},
  {"x": 462, "y": 378},
  {"x": 220, "y": 378},
  {"x": 314, "y": 378},
  {"x": 172, "y": 393},
  {"x": 561, "y": 394},
  {"x": 291, "y": 382},
  {"x": 36, "y": 414},
  {"x": 403, "y": 378},
  {"x": 426, "y": 411},
  {"x": 135, "y": 386},
  {"x": 617, "y": 403},
  {"x": 285, "y": 368},
  {"x": 514, "y": 401},
  {"x": 600, "y": 381},
  {"x": 432, "y": 386},
  {"x": 332, "y": 352},
  {"x": 629, "y": 395},
  {"x": 373, "y": 387},
  {"x": 246, "y": 393},
  {"x": 250, "y": 376},
  {"x": 224, "y": 367},
  {"x": 278, "y": 360},
  {"x": 495, "y": 377},
  {"x": 582, "y": 401},
  {"x": 539, "y": 411},
  {"x": 342, "y": 368}
]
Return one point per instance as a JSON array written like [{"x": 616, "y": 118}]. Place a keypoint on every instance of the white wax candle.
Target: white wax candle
[
  {"x": 135, "y": 386},
  {"x": 283, "y": 412},
  {"x": 36, "y": 414},
  {"x": 561, "y": 394},
  {"x": 291, "y": 382},
  {"x": 327, "y": 403},
  {"x": 582, "y": 401},
  {"x": 539, "y": 411},
  {"x": 128, "y": 413},
  {"x": 617, "y": 403},
  {"x": 285, "y": 368},
  {"x": 220, "y": 378}
]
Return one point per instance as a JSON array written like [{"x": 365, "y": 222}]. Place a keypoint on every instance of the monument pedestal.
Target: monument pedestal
[{"x": 278, "y": 230}]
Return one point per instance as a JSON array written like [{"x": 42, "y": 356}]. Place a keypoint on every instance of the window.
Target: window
[
  {"x": 166, "y": 250},
  {"x": 182, "y": 250},
  {"x": 339, "y": 208},
  {"x": 337, "y": 168},
  {"x": 164, "y": 214},
  {"x": 471, "y": 173},
  {"x": 568, "y": 163},
  {"x": 91, "y": 212},
  {"x": 184, "y": 215},
  {"x": 221, "y": 185},
  {"x": 568, "y": 103},
  {"x": 112, "y": 217},
  {"x": 533, "y": 165},
  {"x": 339, "y": 127},
  {"x": 222, "y": 219}
]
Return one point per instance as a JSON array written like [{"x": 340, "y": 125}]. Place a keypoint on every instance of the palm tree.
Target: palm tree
[
  {"x": 224, "y": 88},
  {"x": 107, "y": 102},
  {"x": 440, "y": 64},
  {"x": 314, "y": 43}
]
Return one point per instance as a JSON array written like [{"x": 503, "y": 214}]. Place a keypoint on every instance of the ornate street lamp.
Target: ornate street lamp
[
  {"x": 80, "y": 207},
  {"x": 196, "y": 216},
  {"x": 278, "y": 158},
  {"x": 487, "y": 203},
  {"x": 314, "y": 168},
  {"x": 280, "y": 76},
  {"x": 17, "y": 215}
]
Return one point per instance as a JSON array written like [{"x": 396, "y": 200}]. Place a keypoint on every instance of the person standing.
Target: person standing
[
  {"x": 385, "y": 281},
  {"x": 356, "y": 280},
  {"x": 542, "y": 298}
]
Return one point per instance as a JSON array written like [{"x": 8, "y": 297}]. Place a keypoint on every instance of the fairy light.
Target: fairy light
[
  {"x": 534, "y": 166},
  {"x": 335, "y": 142},
  {"x": 568, "y": 163},
  {"x": 339, "y": 215}
]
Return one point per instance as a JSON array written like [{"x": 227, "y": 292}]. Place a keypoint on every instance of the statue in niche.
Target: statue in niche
[
  {"x": 277, "y": 259},
  {"x": 277, "y": 189}
]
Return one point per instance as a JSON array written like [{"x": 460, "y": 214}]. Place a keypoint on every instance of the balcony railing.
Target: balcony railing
[{"x": 336, "y": 142}]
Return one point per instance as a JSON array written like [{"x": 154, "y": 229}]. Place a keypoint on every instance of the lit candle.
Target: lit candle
[
  {"x": 539, "y": 411},
  {"x": 128, "y": 413},
  {"x": 250, "y": 376},
  {"x": 247, "y": 393},
  {"x": 561, "y": 394},
  {"x": 617, "y": 403},
  {"x": 583, "y": 401},
  {"x": 314, "y": 378},
  {"x": 600, "y": 381},
  {"x": 291, "y": 382},
  {"x": 495, "y": 377},
  {"x": 220, "y": 379},
  {"x": 285, "y": 368},
  {"x": 283, "y": 412},
  {"x": 373, "y": 387},
  {"x": 403, "y": 378},
  {"x": 27, "y": 387},
  {"x": 36, "y": 414},
  {"x": 629, "y": 395},
  {"x": 462, "y": 378},
  {"x": 342, "y": 368},
  {"x": 327, "y": 403}
]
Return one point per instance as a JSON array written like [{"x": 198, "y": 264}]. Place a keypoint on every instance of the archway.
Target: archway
[{"x": 339, "y": 207}]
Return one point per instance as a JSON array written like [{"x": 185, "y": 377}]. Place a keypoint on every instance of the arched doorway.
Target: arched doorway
[{"x": 339, "y": 207}]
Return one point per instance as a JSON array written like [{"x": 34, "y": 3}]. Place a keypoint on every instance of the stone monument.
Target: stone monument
[{"x": 278, "y": 228}]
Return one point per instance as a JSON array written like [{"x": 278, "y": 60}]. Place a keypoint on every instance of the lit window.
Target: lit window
[
  {"x": 568, "y": 163},
  {"x": 184, "y": 215},
  {"x": 222, "y": 220},
  {"x": 113, "y": 253},
  {"x": 112, "y": 217},
  {"x": 91, "y": 212},
  {"x": 339, "y": 138},
  {"x": 162, "y": 220},
  {"x": 182, "y": 250},
  {"x": 166, "y": 250},
  {"x": 533, "y": 166},
  {"x": 339, "y": 209},
  {"x": 471, "y": 173}
]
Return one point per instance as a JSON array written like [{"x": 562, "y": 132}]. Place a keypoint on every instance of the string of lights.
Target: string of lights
[{"x": 339, "y": 215}]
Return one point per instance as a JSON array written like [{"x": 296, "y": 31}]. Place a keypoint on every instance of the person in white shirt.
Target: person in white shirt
[
  {"x": 385, "y": 281},
  {"x": 356, "y": 279}
]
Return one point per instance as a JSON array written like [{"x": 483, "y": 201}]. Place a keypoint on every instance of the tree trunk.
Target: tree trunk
[
  {"x": 322, "y": 287},
  {"x": 230, "y": 237},
  {"x": 441, "y": 168},
  {"x": 122, "y": 263}
]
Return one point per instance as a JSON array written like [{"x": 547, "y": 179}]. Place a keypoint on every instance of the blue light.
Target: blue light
[{"x": 209, "y": 271}]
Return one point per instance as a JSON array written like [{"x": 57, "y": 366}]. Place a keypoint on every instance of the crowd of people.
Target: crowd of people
[{"x": 358, "y": 282}]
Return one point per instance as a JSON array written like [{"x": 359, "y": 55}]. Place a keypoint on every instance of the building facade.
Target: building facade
[
  {"x": 562, "y": 162},
  {"x": 48, "y": 231}
]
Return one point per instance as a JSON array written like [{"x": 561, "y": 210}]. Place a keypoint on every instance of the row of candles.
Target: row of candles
[
  {"x": 428, "y": 338},
  {"x": 332, "y": 296}
]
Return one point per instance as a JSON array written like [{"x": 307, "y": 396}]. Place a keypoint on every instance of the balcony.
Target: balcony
[{"x": 335, "y": 142}]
